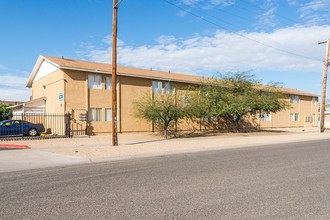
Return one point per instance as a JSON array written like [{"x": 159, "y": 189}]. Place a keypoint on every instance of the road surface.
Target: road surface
[{"x": 287, "y": 181}]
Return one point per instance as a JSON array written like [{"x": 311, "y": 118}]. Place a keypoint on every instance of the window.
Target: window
[
  {"x": 314, "y": 100},
  {"x": 294, "y": 98},
  {"x": 94, "y": 114},
  {"x": 265, "y": 116},
  {"x": 294, "y": 116},
  {"x": 108, "y": 82},
  {"x": 186, "y": 99},
  {"x": 94, "y": 81},
  {"x": 309, "y": 118},
  {"x": 108, "y": 114},
  {"x": 157, "y": 87},
  {"x": 168, "y": 88}
]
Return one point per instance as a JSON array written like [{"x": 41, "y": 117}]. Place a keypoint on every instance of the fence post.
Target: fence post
[
  {"x": 68, "y": 125},
  {"x": 22, "y": 124}
]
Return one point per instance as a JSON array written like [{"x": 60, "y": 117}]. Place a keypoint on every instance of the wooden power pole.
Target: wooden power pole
[
  {"x": 114, "y": 74},
  {"x": 324, "y": 85}
]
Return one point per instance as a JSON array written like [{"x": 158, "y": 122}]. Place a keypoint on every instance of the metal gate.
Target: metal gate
[{"x": 35, "y": 125}]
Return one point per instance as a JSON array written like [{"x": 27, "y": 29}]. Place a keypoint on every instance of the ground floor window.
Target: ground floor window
[
  {"x": 108, "y": 114},
  {"x": 168, "y": 87},
  {"x": 265, "y": 116},
  {"x": 157, "y": 87},
  {"x": 294, "y": 116},
  {"x": 94, "y": 114}
]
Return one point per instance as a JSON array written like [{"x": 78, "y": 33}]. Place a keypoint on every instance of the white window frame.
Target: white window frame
[
  {"x": 108, "y": 82},
  {"x": 94, "y": 114},
  {"x": 294, "y": 117},
  {"x": 265, "y": 116},
  {"x": 157, "y": 87},
  {"x": 108, "y": 114},
  {"x": 94, "y": 81}
]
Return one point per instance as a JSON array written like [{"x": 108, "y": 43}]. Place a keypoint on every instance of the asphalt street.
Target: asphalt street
[{"x": 287, "y": 181}]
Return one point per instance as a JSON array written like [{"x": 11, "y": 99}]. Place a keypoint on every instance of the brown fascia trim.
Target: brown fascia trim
[
  {"x": 156, "y": 78},
  {"x": 129, "y": 75}
]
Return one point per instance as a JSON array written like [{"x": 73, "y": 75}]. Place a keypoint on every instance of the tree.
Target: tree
[
  {"x": 162, "y": 109},
  {"x": 235, "y": 96},
  {"x": 5, "y": 112}
]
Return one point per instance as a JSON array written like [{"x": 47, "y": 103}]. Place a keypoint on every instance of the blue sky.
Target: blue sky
[{"x": 277, "y": 40}]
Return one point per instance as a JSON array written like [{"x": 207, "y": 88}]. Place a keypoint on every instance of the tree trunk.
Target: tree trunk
[
  {"x": 166, "y": 129},
  {"x": 236, "y": 123}
]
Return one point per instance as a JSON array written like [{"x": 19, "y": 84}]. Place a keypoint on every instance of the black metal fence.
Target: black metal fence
[{"x": 35, "y": 125}]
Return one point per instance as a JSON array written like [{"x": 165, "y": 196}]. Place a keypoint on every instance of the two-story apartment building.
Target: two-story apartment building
[{"x": 77, "y": 87}]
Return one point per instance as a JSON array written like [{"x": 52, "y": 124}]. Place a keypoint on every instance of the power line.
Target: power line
[
  {"x": 278, "y": 14},
  {"x": 241, "y": 35},
  {"x": 292, "y": 50}
]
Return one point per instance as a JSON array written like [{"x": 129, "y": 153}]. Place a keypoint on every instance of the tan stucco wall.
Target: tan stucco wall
[
  {"x": 131, "y": 89},
  {"x": 50, "y": 86},
  {"x": 78, "y": 99},
  {"x": 304, "y": 108},
  {"x": 76, "y": 90}
]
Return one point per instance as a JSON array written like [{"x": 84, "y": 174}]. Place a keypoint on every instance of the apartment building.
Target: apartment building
[{"x": 81, "y": 87}]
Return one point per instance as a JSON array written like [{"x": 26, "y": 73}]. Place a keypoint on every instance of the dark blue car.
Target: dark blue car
[{"x": 20, "y": 127}]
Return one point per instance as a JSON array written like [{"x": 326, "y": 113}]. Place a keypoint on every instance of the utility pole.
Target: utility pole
[
  {"x": 324, "y": 85},
  {"x": 114, "y": 74}
]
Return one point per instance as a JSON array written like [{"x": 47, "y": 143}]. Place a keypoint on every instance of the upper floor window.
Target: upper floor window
[
  {"x": 168, "y": 88},
  {"x": 157, "y": 87},
  {"x": 108, "y": 82},
  {"x": 94, "y": 81},
  {"x": 314, "y": 100},
  {"x": 294, "y": 98}
]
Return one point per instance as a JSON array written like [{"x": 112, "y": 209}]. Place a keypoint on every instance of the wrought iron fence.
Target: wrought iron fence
[{"x": 35, "y": 125}]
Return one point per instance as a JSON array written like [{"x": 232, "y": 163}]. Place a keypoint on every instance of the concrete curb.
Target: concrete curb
[{"x": 14, "y": 146}]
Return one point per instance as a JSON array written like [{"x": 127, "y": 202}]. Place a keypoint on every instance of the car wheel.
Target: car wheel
[{"x": 33, "y": 132}]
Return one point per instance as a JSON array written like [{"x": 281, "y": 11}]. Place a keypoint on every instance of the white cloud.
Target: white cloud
[
  {"x": 164, "y": 39},
  {"x": 13, "y": 88},
  {"x": 108, "y": 40},
  {"x": 21, "y": 95},
  {"x": 209, "y": 4},
  {"x": 292, "y": 2},
  {"x": 224, "y": 51},
  {"x": 12, "y": 81},
  {"x": 315, "y": 11},
  {"x": 267, "y": 20},
  {"x": 190, "y": 2}
]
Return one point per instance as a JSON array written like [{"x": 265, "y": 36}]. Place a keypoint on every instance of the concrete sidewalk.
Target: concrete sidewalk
[{"x": 63, "y": 152}]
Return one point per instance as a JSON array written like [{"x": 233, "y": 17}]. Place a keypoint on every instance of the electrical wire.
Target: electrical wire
[
  {"x": 241, "y": 35},
  {"x": 273, "y": 41}
]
